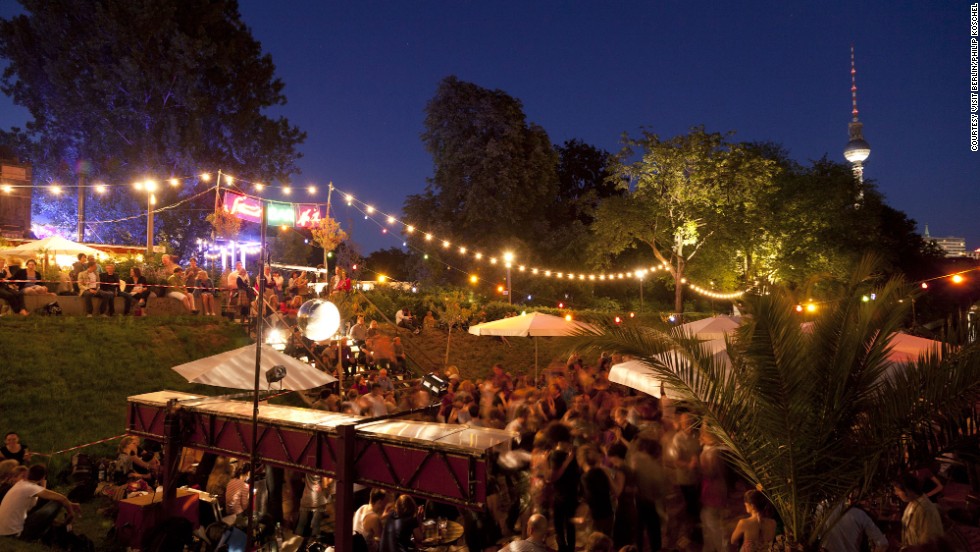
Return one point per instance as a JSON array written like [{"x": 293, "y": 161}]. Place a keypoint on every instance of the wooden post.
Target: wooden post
[
  {"x": 344, "y": 494},
  {"x": 171, "y": 455}
]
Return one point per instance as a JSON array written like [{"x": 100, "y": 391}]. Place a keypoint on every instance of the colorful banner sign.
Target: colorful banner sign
[
  {"x": 303, "y": 215},
  {"x": 307, "y": 214},
  {"x": 280, "y": 214},
  {"x": 243, "y": 207}
]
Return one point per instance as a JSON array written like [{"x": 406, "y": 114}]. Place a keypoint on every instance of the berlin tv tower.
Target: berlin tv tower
[{"x": 857, "y": 150}]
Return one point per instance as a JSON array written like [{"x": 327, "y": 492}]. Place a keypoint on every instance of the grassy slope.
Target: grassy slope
[{"x": 64, "y": 380}]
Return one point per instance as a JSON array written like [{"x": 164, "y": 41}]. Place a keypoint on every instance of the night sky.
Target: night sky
[{"x": 358, "y": 76}]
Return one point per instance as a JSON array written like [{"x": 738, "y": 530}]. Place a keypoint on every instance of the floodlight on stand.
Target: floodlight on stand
[
  {"x": 275, "y": 374},
  {"x": 318, "y": 319}
]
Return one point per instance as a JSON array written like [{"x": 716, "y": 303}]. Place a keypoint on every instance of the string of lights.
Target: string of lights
[{"x": 386, "y": 221}]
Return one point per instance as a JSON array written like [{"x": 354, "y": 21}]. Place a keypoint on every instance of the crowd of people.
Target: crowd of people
[
  {"x": 98, "y": 284},
  {"x": 598, "y": 464}
]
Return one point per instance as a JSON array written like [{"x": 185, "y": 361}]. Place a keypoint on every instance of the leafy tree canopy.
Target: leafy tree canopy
[
  {"x": 684, "y": 192},
  {"x": 122, "y": 90},
  {"x": 493, "y": 171}
]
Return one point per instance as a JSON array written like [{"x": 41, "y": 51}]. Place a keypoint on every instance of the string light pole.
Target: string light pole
[
  {"x": 508, "y": 261},
  {"x": 149, "y": 187}
]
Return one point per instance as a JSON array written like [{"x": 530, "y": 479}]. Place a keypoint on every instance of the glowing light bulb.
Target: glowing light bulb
[
  {"x": 311, "y": 190},
  {"x": 409, "y": 229},
  {"x": 101, "y": 188},
  {"x": 445, "y": 244},
  {"x": 259, "y": 186},
  {"x": 391, "y": 220},
  {"x": 205, "y": 177},
  {"x": 174, "y": 182},
  {"x": 957, "y": 279},
  {"x": 56, "y": 190},
  {"x": 286, "y": 190},
  {"x": 369, "y": 209},
  {"x": 473, "y": 279},
  {"x": 7, "y": 188}
]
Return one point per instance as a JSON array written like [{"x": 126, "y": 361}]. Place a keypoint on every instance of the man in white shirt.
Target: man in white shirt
[
  {"x": 367, "y": 519},
  {"x": 22, "y": 497},
  {"x": 88, "y": 286}
]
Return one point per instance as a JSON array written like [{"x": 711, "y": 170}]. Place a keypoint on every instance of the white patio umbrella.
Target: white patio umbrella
[
  {"x": 52, "y": 245},
  {"x": 534, "y": 324},
  {"x": 715, "y": 327},
  {"x": 235, "y": 369}
]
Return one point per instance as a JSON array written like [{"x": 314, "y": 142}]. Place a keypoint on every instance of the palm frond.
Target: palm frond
[{"x": 814, "y": 415}]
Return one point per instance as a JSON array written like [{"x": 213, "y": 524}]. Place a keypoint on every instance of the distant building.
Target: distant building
[
  {"x": 952, "y": 245},
  {"x": 15, "y": 199}
]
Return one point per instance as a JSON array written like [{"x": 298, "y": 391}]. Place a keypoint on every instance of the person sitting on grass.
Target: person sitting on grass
[
  {"x": 13, "y": 449},
  {"x": 178, "y": 290},
  {"x": 21, "y": 515},
  {"x": 10, "y": 474}
]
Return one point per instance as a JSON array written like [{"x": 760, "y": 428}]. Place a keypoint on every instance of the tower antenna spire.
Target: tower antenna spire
[{"x": 854, "y": 89}]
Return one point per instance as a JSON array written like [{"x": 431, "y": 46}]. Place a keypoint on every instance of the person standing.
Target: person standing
[
  {"x": 564, "y": 481},
  {"x": 756, "y": 531},
  {"x": 714, "y": 493},
  {"x": 921, "y": 522},
  {"x": 686, "y": 451}
]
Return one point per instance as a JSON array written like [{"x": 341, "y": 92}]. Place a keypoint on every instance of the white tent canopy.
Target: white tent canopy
[
  {"x": 639, "y": 375},
  {"x": 715, "y": 327},
  {"x": 52, "y": 245},
  {"x": 235, "y": 369}
]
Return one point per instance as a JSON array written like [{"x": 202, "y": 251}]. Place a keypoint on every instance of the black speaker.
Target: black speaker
[{"x": 435, "y": 385}]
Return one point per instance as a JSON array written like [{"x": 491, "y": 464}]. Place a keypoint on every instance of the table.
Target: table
[
  {"x": 454, "y": 531},
  {"x": 139, "y": 514}
]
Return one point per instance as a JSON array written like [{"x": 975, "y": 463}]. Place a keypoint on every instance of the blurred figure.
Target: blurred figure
[{"x": 756, "y": 531}]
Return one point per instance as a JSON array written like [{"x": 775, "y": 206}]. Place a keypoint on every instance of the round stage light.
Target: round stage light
[{"x": 318, "y": 319}]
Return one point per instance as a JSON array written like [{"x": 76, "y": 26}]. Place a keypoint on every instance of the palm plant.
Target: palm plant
[{"x": 812, "y": 416}]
